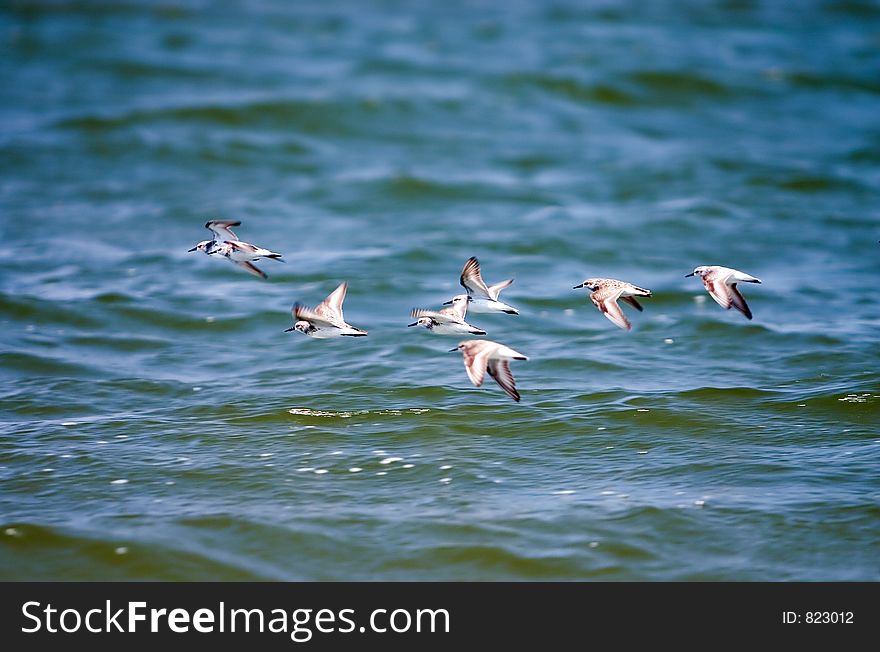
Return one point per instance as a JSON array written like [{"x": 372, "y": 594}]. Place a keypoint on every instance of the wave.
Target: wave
[{"x": 635, "y": 89}]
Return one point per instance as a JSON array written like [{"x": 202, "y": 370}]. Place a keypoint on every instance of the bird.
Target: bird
[
  {"x": 484, "y": 298},
  {"x": 239, "y": 252},
  {"x": 326, "y": 319},
  {"x": 721, "y": 285},
  {"x": 481, "y": 356},
  {"x": 447, "y": 321},
  {"x": 606, "y": 292}
]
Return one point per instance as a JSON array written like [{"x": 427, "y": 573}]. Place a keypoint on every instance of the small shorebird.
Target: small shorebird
[
  {"x": 606, "y": 292},
  {"x": 484, "y": 298},
  {"x": 481, "y": 356},
  {"x": 239, "y": 252},
  {"x": 326, "y": 319},
  {"x": 447, "y": 321},
  {"x": 721, "y": 284}
]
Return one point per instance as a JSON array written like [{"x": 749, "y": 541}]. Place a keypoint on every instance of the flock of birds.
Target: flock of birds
[{"x": 326, "y": 320}]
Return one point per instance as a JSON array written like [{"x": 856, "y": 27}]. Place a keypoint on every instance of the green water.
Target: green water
[{"x": 156, "y": 423}]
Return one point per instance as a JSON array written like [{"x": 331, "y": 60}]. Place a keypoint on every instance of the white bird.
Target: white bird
[
  {"x": 326, "y": 319},
  {"x": 721, "y": 285},
  {"x": 484, "y": 298},
  {"x": 237, "y": 251},
  {"x": 447, "y": 321},
  {"x": 606, "y": 292},
  {"x": 481, "y": 356}
]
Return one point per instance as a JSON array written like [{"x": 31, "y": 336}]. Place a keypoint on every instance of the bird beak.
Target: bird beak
[
  {"x": 452, "y": 350},
  {"x": 447, "y": 303},
  {"x": 691, "y": 274},
  {"x": 411, "y": 325},
  {"x": 193, "y": 249},
  {"x": 292, "y": 328},
  {"x": 578, "y": 287}
]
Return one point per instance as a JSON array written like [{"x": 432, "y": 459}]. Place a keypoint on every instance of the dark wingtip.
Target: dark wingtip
[{"x": 512, "y": 312}]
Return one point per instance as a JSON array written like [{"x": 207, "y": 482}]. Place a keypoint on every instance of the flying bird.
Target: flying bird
[
  {"x": 447, "y": 321},
  {"x": 481, "y": 356},
  {"x": 721, "y": 283},
  {"x": 225, "y": 243},
  {"x": 484, "y": 298},
  {"x": 606, "y": 291},
  {"x": 326, "y": 319}
]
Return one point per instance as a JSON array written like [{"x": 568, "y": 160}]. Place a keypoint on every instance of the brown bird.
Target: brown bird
[
  {"x": 721, "y": 283},
  {"x": 481, "y": 356},
  {"x": 606, "y": 292}
]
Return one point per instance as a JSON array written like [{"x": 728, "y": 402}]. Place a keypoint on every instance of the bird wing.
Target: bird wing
[
  {"x": 632, "y": 301},
  {"x": 500, "y": 371},
  {"x": 456, "y": 311},
  {"x": 472, "y": 281},
  {"x": 304, "y": 313},
  {"x": 495, "y": 290},
  {"x": 222, "y": 230},
  {"x": 331, "y": 307},
  {"x": 739, "y": 302},
  {"x": 719, "y": 291},
  {"x": 611, "y": 310},
  {"x": 440, "y": 317},
  {"x": 251, "y": 268},
  {"x": 742, "y": 277},
  {"x": 475, "y": 365},
  {"x": 606, "y": 302},
  {"x": 238, "y": 245}
]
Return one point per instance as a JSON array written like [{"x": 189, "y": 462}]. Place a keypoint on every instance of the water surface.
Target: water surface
[{"x": 158, "y": 424}]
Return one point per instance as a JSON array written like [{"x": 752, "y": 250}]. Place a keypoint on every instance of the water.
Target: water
[{"x": 158, "y": 424}]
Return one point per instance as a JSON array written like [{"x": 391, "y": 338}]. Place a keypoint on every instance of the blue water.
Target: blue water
[{"x": 156, "y": 423}]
